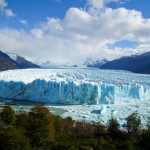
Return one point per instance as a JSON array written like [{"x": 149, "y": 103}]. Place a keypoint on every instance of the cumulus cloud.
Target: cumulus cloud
[
  {"x": 4, "y": 10},
  {"x": 9, "y": 13},
  {"x": 37, "y": 33},
  {"x": 79, "y": 35},
  {"x": 97, "y": 4},
  {"x": 23, "y": 21},
  {"x": 3, "y": 5}
]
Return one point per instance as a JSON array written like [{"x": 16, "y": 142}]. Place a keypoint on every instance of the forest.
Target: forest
[{"x": 39, "y": 129}]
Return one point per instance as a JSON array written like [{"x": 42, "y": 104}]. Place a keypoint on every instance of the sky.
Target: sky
[{"x": 70, "y": 31}]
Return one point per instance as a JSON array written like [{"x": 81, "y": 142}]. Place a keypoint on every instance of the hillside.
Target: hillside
[
  {"x": 9, "y": 61},
  {"x": 6, "y": 63},
  {"x": 22, "y": 62},
  {"x": 136, "y": 63}
]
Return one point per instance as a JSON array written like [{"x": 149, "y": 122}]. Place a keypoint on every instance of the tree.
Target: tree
[
  {"x": 12, "y": 138},
  {"x": 113, "y": 126},
  {"x": 145, "y": 140},
  {"x": 22, "y": 120},
  {"x": 8, "y": 115},
  {"x": 58, "y": 125},
  {"x": 40, "y": 126},
  {"x": 148, "y": 124},
  {"x": 133, "y": 124}
]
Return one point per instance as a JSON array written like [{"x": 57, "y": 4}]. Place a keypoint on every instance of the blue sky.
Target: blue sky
[
  {"x": 36, "y": 11},
  {"x": 123, "y": 44},
  {"x": 73, "y": 30}
]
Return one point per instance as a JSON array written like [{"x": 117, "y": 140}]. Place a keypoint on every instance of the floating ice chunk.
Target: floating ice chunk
[{"x": 103, "y": 109}]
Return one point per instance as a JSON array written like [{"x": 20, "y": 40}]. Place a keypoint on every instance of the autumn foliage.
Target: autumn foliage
[{"x": 41, "y": 130}]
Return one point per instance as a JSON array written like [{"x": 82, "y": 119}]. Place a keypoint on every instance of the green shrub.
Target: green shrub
[{"x": 8, "y": 115}]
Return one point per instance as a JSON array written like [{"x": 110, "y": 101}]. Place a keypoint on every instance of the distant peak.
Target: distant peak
[
  {"x": 13, "y": 56},
  {"x": 96, "y": 63}
]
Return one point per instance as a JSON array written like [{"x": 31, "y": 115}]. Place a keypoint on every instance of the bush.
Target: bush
[
  {"x": 133, "y": 124},
  {"x": 44, "y": 131},
  {"x": 12, "y": 138},
  {"x": 22, "y": 121},
  {"x": 145, "y": 140},
  {"x": 8, "y": 115},
  {"x": 113, "y": 126},
  {"x": 40, "y": 126}
]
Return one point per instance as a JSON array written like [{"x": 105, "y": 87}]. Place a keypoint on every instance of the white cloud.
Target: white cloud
[
  {"x": 9, "y": 13},
  {"x": 97, "y": 3},
  {"x": 3, "y": 4},
  {"x": 80, "y": 35},
  {"x": 37, "y": 33},
  {"x": 4, "y": 10},
  {"x": 22, "y": 21}
]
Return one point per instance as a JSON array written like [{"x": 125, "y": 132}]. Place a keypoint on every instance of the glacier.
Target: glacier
[{"x": 74, "y": 86}]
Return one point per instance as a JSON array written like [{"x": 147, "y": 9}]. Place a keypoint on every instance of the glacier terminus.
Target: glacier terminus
[
  {"x": 90, "y": 95},
  {"x": 74, "y": 86}
]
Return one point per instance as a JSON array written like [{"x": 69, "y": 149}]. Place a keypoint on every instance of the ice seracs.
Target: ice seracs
[{"x": 74, "y": 86}]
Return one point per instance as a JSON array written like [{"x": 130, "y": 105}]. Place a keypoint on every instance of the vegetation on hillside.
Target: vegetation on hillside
[{"x": 41, "y": 130}]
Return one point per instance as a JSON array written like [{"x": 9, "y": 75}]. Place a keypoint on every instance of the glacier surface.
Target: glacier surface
[{"x": 74, "y": 86}]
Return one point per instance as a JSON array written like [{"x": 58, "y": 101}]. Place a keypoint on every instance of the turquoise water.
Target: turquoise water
[{"x": 26, "y": 106}]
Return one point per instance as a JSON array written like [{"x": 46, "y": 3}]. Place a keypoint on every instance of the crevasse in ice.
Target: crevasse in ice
[{"x": 74, "y": 86}]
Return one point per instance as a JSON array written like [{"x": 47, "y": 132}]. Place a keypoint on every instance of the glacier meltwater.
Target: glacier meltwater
[{"x": 74, "y": 86}]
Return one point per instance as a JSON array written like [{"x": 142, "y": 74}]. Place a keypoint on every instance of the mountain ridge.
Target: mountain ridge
[
  {"x": 134, "y": 63},
  {"x": 14, "y": 62},
  {"x": 22, "y": 62},
  {"x": 95, "y": 63},
  {"x": 6, "y": 62}
]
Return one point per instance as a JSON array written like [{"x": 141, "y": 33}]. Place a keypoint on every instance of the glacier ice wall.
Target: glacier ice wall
[{"x": 74, "y": 86}]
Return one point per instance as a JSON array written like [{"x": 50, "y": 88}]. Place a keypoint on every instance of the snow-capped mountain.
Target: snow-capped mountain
[
  {"x": 21, "y": 61},
  {"x": 134, "y": 63},
  {"x": 95, "y": 63},
  {"x": 49, "y": 64},
  {"x": 6, "y": 62}
]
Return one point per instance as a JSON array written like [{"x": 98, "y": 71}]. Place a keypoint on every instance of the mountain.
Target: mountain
[
  {"x": 145, "y": 69},
  {"x": 6, "y": 63},
  {"x": 48, "y": 64},
  {"x": 95, "y": 63},
  {"x": 135, "y": 63},
  {"x": 22, "y": 62},
  {"x": 9, "y": 61}
]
